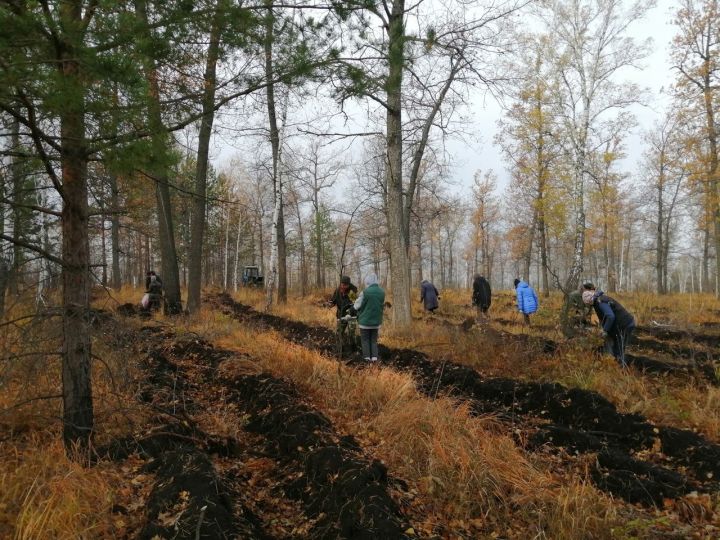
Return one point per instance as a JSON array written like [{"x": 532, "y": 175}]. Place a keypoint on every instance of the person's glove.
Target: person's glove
[{"x": 352, "y": 311}]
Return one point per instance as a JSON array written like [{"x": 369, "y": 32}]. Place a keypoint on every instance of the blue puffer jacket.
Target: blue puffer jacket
[{"x": 527, "y": 300}]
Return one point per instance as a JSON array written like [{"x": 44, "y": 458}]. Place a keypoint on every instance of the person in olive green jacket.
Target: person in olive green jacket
[{"x": 369, "y": 306}]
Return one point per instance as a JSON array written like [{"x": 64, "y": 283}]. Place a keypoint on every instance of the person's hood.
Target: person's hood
[
  {"x": 589, "y": 296},
  {"x": 371, "y": 279},
  {"x": 522, "y": 285}
]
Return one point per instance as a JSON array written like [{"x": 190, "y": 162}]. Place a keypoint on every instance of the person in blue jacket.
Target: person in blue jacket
[
  {"x": 617, "y": 322},
  {"x": 527, "y": 300}
]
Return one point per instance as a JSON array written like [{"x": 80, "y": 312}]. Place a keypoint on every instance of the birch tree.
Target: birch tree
[{"x": 590, "y": 46}]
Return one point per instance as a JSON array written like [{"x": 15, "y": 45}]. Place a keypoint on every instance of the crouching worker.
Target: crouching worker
[
  {"x": 343, "y": 299},
  {"x": 617, "y": 322},
  {"x": 369, "y": 306},
  {"x": 153, "y": 291}
]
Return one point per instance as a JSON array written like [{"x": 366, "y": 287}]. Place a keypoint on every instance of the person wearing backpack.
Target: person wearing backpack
[
  {"x": 527, "y": 300},
  {"x": 369, "y": 306}
]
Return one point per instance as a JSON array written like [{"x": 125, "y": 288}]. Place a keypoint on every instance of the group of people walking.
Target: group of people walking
[{"x": 617, "y": 323}]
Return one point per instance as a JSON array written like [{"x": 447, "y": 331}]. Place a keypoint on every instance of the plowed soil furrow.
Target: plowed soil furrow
[
  {"x": 344, "y": 494},
  {"x": 708, "y": 339},
  {"x": 190, "y": 499},
  {"x": 676, "y": 461},
  {"x": 684, "y": 362}
]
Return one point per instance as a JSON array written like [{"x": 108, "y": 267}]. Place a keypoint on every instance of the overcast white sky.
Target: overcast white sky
[{"x": 479, "y": 152}]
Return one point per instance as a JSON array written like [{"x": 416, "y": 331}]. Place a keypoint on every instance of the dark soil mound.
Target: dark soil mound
[
  {"x": 693, "y": 451},
  {"x": 637, "y": 481},
  {"x": 188, "y": 500},
  {"x": 347, "y": 495},
  {"x": 345, "y": 492},
  {"x": 671, "y": 349},
  {"x": 128, "y": 310},
  {"x": 661, "y": 332}
]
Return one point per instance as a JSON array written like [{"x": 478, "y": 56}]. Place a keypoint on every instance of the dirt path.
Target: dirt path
[
  {"x": 674, "y": 462},
  {"x": 342, "y": 493}
]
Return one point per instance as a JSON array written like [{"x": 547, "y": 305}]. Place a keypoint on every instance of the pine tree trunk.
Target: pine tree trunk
[
  {"x": 399, "y": 264},
  {"x": 116, "y": 281},
  {"x": 197, "y": 227},
  {"x": 77, "y": 389},
  {"x": 159, "y": 143},
  {"x": 18, "y": 211}
]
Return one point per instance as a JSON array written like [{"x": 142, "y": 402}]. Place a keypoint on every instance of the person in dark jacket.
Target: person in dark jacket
[
  {"x": 527, "y": 300},
  {"x": 617, "y": 322},
  {"x": 369, "y": 306},
  {"x": 482, "y": 295},
  {"x": 343, "y": 299},
  {"x": 429, "y": 295}
]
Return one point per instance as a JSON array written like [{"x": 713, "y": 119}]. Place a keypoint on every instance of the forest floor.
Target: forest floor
[{"x": 238, "y": 423}]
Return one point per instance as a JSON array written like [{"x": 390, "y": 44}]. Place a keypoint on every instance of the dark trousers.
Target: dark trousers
[
  {"x": 369, "y": 339},
  {"x": 616, "y": 342}
]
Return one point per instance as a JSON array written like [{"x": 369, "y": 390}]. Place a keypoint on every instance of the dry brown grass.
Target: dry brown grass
[
  {"x": 466, "y": 472},
  {"x": 43, "y": 494},
  {"x": 664, "y": 400}
]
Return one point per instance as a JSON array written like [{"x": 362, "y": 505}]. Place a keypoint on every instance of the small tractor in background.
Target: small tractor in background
[{"x": 251, "y": 277}]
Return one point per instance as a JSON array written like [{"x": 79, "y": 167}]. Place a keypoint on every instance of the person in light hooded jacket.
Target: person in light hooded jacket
[
  {"x": 527, "y": 300},
  {"x": 369, "y": 306}
]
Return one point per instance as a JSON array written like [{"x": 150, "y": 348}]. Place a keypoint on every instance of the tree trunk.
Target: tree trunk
[
  {"x": 159, "y": 142},
  {"x": 659, "y": 233},
  {"x": 528, "y": 253},
  {"x": 399, "y": 265},
  {"x": 197, "y": 228},
  {"x": 319, "y": 281},
  {"x": 18, "y": 211},
  {"x": 116, "y": 281},
  {"x": 713, "y": 168},
  {"x": 77, "y": 388},
  {"x": 278, "y": 261},
  {"x": 543, "y": 254},
  {"x": 573, "y": 279},
  {"x": 103, "y": 250},
  {"x": 237, "y": 252}
]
